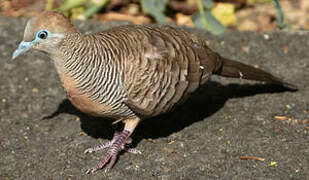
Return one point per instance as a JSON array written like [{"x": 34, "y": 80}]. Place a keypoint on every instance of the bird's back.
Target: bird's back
[{"x": 162, "y": 65}]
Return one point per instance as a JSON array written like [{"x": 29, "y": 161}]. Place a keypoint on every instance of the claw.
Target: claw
[
  {"x": 118, "y": 143},
  {"x": 133, "y": 150},
  {"x": 106, "y": 170},
  {"x": 89, "y": 171},
  {"x": 100, "y": 146}
]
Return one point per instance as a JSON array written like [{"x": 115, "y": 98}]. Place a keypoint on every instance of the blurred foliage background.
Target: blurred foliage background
[{"x": 216, "y": 16}]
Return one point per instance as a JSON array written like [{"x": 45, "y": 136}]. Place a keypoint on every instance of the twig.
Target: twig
[{"x": 251, "y": 157}]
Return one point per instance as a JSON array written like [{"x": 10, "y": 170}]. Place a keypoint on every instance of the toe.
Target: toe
[
  {"x": 90, "y": 171},
  {"x": 89, "y": 150}
]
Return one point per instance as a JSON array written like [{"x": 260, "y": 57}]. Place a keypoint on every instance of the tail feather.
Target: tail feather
[{"x": 236, "y": 69}]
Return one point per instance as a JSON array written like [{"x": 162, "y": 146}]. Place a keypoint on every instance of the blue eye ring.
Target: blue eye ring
[{"x": 42, "y": 34}]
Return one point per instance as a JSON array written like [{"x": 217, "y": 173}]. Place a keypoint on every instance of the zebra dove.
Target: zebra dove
[{"x": 130, "y": 72}]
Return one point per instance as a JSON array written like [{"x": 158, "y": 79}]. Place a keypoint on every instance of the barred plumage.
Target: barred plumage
[
  {"x": 95, "y": 71},
  {"x": 129, "y": 72},
  {"x": 109, "y": 76}
]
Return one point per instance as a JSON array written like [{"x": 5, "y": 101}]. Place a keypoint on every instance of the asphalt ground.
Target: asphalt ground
[{"x": 42, "y": 136}]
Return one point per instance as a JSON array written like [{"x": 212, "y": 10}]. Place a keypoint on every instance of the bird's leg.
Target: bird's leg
[
  {"x": 109, "y": 143},
  {"x": 118, "y": 143}
]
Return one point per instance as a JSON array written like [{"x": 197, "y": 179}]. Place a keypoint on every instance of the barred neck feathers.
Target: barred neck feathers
[{"x": 92, "y": 61}]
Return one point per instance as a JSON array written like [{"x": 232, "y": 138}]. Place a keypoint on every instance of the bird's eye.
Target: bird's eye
[{"x": 42, "y": 34}]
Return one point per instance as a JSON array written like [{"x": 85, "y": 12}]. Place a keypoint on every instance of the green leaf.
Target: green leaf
[
  {"x": 49, "y": 5},
  {"x": 94, "y": 8},
  {"x": 155, "y": 8},
  {"x": 207, "y": 4},
  {"x": 204, "y": 19},
  {"x": 70, "y": 4},
  {"x": 280, "y": 19},
  {"x": 214, "y": 25}
]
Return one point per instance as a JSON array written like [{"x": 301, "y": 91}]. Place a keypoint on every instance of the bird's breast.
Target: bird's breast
[{"x": 81, "y": 100}]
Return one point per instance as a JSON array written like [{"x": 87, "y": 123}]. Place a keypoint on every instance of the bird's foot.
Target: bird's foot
[
  {"x": 109, "y": 143},
  {"x": 120, "y": 141}
]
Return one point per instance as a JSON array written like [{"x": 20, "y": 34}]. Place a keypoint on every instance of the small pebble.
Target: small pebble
[{"x": 35, "y": 90}]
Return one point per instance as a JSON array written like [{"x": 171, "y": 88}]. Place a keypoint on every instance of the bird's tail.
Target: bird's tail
[{"x": 236, "y": 69}]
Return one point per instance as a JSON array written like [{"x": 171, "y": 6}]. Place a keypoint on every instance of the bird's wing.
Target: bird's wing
[{"x": 164, "y": 72}]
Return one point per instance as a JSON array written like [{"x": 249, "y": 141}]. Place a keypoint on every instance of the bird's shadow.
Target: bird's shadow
[{"x": 205, "y": 102}]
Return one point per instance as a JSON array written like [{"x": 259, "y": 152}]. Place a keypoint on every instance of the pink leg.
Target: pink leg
[
  {"x": 118, "y": 143},
  {"x": 99, "y": 147},
  {"x": 109, "y": 143},
  {"x": 103, "y": 145}
]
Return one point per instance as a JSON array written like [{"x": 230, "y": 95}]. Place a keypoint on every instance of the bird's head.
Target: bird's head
[{"x": 44, "y": 32}]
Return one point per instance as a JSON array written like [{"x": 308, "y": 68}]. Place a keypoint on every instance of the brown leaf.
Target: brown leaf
[{"x": 278, "y": 128}]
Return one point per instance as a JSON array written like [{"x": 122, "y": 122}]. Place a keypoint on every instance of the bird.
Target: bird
[{"x": 129, "y": 73}]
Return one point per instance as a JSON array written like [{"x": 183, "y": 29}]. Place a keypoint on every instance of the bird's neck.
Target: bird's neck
[
  {"x": 77, "y": 51},
  {"x": 89, "y": 59}
]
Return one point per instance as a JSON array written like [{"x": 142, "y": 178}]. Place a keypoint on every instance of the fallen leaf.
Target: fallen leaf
[
  {"x": 272, "y": 163},
  {"x": 281, "y": 118},
  {"x": 278, "y": 128}
]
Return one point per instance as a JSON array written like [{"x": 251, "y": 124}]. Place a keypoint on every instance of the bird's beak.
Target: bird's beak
[{"x": 22, "y": 48}]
